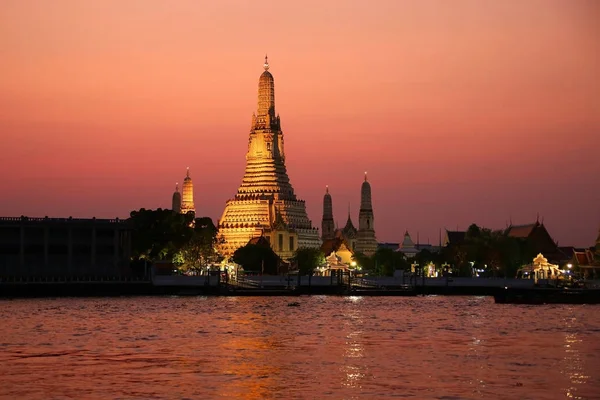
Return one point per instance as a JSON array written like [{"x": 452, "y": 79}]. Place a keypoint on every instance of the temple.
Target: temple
[
  {"x": 349, "y": 239},
  {"x": 176, "y": 201},
  {"x": 187, "y": 195},
  {"x": 265, "y": 203},
  {"x": 327, "y": 224},
  {"x": 365, "y": 240}
]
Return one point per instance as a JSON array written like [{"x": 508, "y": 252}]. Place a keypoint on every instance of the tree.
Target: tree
[
  {"x": 253, "y": 257},
  {"x": 308, "y": 259},
  {"x": 159, "y": 234},
  {"x": 200, "y": 249},
  {"x": 365, "y": 262},
  {"x": 386, "y": 261}
]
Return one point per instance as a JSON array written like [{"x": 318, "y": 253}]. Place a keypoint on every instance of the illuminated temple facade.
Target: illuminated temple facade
[
  {"x": 184, "y": 202},
  {"x": 265, "y": 203}
]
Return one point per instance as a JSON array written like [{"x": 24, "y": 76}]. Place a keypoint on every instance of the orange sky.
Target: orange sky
[{"x": 461, "y": 111}]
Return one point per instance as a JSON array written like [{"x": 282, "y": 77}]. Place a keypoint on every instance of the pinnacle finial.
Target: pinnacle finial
[
  {"x": 266, "y": 65},
  {"x": 177, "y": 186},
  {"x": 188, "y": 172},
  {"x": 365, "y": 176},
  {"x": 326, "y": 189}
]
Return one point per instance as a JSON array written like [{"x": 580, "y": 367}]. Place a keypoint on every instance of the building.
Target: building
[
  {"x": 408, "y": 247},
  {"x": 365, "y": 239},
  {"x": 537, "y": 240},
  {"x": 348, "y": 233},
  {"x": 64, "y": 247},
  {"x": 453, "y": 238},
  {"x": 187, "y": 194},
  {"x": 265, "y": 203},
  {"x": 327, "y": 224},
  {"x": 357, "y": 240},
  {"x": 176, "y": 201},
  {"x": 388, "y": 245}
]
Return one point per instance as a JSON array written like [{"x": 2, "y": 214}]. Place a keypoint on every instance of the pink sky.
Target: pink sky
[{"x": 461, "y": 111}]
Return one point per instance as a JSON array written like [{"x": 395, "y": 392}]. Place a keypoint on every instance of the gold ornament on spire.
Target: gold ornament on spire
[{"x": 266, "y": 65}]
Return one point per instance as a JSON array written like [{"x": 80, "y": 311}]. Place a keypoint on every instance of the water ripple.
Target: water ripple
[{"x": 330, "y": 347}]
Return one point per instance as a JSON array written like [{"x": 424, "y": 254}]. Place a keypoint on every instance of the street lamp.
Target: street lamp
[{"x": 569, "y": 266}]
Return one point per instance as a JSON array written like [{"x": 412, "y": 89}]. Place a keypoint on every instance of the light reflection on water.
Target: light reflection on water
[
  {"x": 329, "y": 347},
  {"x": 573, "y": 362},
  {"x": 351, "y": 369}
]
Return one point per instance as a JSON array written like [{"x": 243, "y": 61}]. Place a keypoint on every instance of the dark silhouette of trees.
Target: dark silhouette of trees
[
  {"x": 159, "y": 234},
  {"x": 199, "y": 251},
  {"x": 365, "y": 262},
  {"x": 165, "y": 235},
  {"x": 491, "y": 251},
  {"x": 252, "y": 257},
  {"x": 385, "y": 261},
  {"x": 308, "y": 260}
]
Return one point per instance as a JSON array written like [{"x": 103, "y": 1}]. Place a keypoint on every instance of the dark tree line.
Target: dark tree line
[
  {"x": 190, "y": 242},
  {"x": 492, "y": 252},
  {"x": 165, "y": 235}
]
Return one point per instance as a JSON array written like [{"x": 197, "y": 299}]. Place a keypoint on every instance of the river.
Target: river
[{"x": 326, "y": 347}]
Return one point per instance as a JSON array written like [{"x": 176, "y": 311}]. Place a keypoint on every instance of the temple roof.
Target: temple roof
[
  {"x": 349, "y": 227},
  {"x": 455, "y": 237},
  {"x": 259, "y": 240},
  {"x": 331, "y": 245},
  {"x": 521, "y": 231},
  {"x": 407, "y": 242}
]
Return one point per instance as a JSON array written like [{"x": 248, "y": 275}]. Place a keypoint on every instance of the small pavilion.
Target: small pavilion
[{"x": 540, "y": 268}]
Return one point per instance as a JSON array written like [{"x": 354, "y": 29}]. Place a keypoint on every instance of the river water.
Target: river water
[{"x": 327, "y": 347}]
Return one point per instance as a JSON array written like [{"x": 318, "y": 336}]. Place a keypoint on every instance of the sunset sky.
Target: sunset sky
[{"x": 479, "y": 111}]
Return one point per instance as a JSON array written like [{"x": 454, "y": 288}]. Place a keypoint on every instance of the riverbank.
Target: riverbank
[{"x": 147, "y": 288}]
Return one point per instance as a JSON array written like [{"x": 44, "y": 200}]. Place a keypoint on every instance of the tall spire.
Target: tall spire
[
  {"x": 266, "y": 179},
  {"x": 187, "y": 194},
  {"x": 266, "y": 97},
  {"x": 366, "y": 242},
  {"x": 365, "y": 195},
  {"x": 176, "y": 200},
  {"x": 327, "y": 223}
]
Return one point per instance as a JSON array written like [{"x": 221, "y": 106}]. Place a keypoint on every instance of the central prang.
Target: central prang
[{"x": 265, "y": 204}]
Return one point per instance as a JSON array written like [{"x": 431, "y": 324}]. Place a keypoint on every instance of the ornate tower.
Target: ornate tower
[
  {"x": 327, "y": 224},
  {"x": 366, "y": 242},
  {"x": 176, "y": 202},
  {"x": 349, "y": 232},
  {"x": 187, "y": 202},
  {"x": 265, "y": 203}
]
